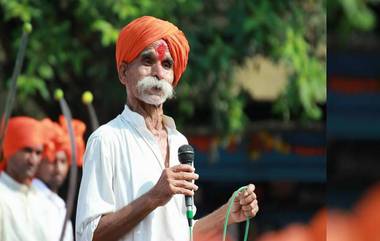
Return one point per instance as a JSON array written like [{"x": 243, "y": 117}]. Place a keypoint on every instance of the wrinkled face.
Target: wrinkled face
[
  {"x": 23, "y": 165},
  {"x": 149, "y": 77},
  {"x": 54, "y": 173}
]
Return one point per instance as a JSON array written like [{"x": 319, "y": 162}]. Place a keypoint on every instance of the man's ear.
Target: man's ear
[{"x": 122, "y": 72}]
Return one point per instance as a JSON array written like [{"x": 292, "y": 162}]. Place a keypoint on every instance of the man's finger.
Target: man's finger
[
  {"x": 250, "y": 206},
  {"x": 252, "y": 212},
  {"x": 182, "y": 168},
  {"x": 248, "y": 199},
  {"x": 184, "y": 191},
  {"x": 250, "y": 189},
  {"x": 185, "y": 176},
  {"x": 185, "y": 184}
]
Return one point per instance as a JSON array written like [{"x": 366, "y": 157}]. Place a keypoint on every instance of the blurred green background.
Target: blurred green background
[
  {"x": 72, "y": 47},
  {"x": 353, "y": 117},
  {"x": 353, "y": 130}
]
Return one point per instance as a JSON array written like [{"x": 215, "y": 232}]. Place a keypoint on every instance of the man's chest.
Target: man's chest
[{"x": 140, "y": 162}]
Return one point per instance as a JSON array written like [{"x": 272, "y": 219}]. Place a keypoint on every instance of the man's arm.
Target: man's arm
[
  {"x": 211, "y": 226},
  {"x": 174, "y": 180},
  {"x": 113, "y": 226}
]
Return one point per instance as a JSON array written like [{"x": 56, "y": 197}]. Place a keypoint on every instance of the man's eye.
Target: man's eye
[
  {"x": 28, "y": 150},
  {"x": 167, "y": 65},
  {"x": 147, "y": 61}
]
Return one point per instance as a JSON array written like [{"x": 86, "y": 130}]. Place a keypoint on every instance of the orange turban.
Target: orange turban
[
  {"x": 143, "y": 31},
  {"x": 22, "y": 132},
  {"x": 79, "y": 128},
  {"x": 55, "y": 139}
]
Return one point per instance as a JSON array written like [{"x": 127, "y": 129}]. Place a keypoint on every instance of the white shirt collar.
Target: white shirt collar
[
  {"x": 13, "y": 184},
  {"x": 40, "y": 185},
  {"x": 44, "y": 189}
]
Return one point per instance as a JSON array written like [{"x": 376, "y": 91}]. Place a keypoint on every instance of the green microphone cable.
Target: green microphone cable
[
  {"x": 226, "y": 218},
  {"x": 228, "y": 214},
  {"x": 191, "y": 232},
  {"x": 190, "y": 216}
]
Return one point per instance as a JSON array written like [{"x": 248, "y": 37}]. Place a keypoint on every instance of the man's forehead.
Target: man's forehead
[
  {"x": 28, "y": 149},
  {"x": 159, "y": 47},
  {"x": 158, "y": 43},
  {"x": 34, "y": 148},
  {"x": 61, "y": 154}
]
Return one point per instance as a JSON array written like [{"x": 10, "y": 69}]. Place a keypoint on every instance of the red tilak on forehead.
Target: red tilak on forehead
[{"x": 160, "y": 50}]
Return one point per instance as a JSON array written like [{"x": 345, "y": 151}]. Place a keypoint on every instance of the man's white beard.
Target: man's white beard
[{"x": 147, "y": 84}]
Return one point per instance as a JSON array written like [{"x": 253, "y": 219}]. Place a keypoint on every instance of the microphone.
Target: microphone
[{"x": 186, "y": 156}]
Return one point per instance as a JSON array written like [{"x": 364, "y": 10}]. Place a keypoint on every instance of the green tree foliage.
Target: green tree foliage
[
  {"x": 72, "y": 47},
  {"x": 346, "y": 16}
]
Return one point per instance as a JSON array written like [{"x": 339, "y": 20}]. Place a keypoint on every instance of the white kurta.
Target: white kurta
[
  {"x": 23, "y": 212},
  {"x": 57, "y": 213},
  {"x": 122, "y": 162}
]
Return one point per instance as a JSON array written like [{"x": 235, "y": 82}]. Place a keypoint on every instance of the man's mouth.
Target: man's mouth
[{"x": 154, "y": 91}]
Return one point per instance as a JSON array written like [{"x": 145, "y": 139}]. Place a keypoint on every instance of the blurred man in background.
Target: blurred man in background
[
  {"x": 23, "y": 211},
  {"x": 54, "y": 168}
]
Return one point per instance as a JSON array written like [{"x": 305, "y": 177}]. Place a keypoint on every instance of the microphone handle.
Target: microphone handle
[
  {"x": 189, "y": 205},
  {"x": 188, "y": 201}
]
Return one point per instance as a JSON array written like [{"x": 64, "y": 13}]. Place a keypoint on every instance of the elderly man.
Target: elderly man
[
  {"x": 23, "y": 211},
  {"x": 131, "y": 170}
]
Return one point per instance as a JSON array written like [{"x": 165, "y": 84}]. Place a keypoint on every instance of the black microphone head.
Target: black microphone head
[{"x": 185, "y": 154}]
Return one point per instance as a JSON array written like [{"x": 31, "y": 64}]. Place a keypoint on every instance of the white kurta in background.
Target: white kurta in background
[
  {"x": 57, "y": 213},
  {"x": 23, "y": 212}
]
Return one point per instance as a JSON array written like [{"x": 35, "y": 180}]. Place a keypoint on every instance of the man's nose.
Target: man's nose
[
  {"x": 158, "y": 71},
  {"x": 35, "y": 156}
]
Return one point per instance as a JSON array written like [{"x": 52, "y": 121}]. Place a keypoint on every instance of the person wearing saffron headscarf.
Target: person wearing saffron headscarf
[
  {"x": 131, "y": 171},
  {"x": 54, "y": 168},
  {"x": 23, "y": 211}
]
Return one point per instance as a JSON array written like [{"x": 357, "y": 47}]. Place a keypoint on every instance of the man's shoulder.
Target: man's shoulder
[
  {"x": 179, "y": 136},
  {"x": 110, "y": 132},
  {"x": 41, "y": 188},
  {"x": 5, "y": 185},
  {"x": 111, "y": 128},
  {"x": 45, "y": 192}
]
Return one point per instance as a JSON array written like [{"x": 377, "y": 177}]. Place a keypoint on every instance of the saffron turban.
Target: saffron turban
[
  {"x": 57, "y": 139},
  {"x": 22, "y": 132},
  {"x": 79, "y": 129},
  {"x": 142, "y": 32}
]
